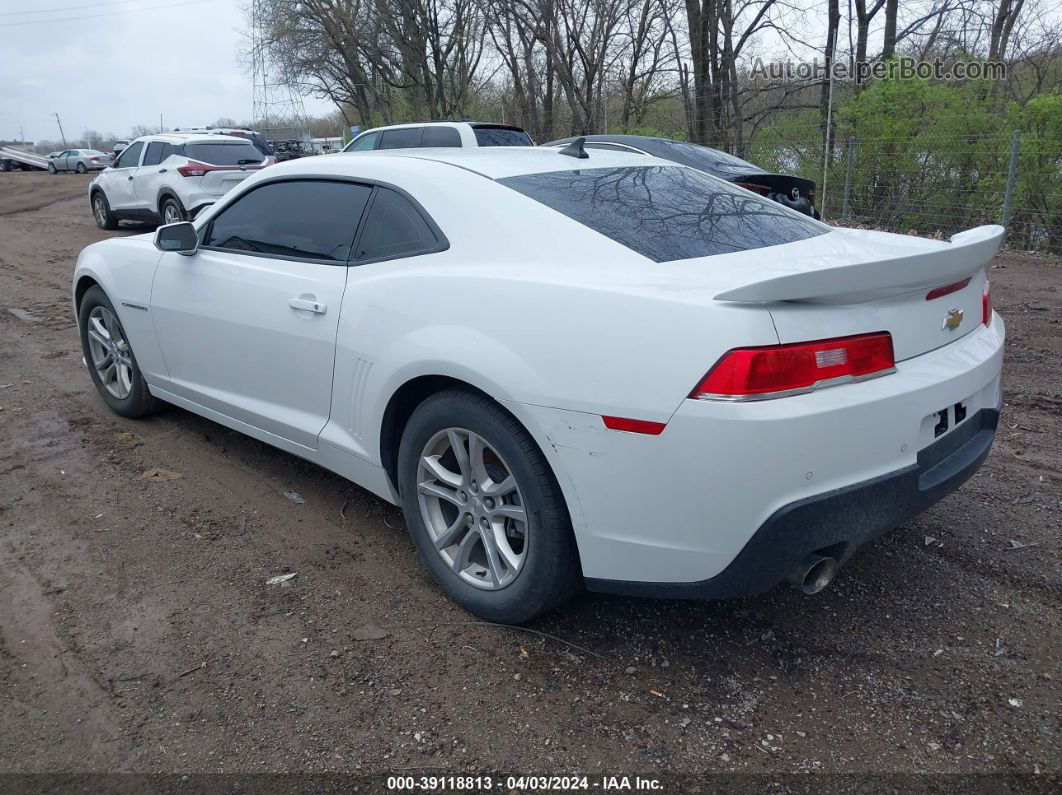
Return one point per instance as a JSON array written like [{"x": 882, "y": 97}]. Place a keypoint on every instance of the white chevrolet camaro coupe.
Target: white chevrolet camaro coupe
[{"x": 569, "y": 369}]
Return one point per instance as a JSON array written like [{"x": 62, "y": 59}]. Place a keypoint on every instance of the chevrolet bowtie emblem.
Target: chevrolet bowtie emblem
[{"x": 952, "y": 319}]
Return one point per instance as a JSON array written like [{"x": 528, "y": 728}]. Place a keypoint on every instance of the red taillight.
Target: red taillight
[
  {"x": 986, "y": 303},
  {"x": 947, "y": 289},
  {"x": 94, "y": 159},
  {"x": 194, "y": 169},
  {"x": 778, "y": 370},
  {"x": 634, "y": 426}
]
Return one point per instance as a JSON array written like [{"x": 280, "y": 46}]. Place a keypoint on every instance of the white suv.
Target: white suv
[
  {"x": 464, "y": 134},
  {"x": 171, "y": 177}
]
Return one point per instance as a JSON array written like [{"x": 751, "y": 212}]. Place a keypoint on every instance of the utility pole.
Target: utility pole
[
  {"x": 61, "y": 133},
  {"x": 161, "y": 128}
]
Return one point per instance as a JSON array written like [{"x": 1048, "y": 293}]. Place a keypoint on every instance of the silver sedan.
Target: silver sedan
[{"x": 79, "y": 160}]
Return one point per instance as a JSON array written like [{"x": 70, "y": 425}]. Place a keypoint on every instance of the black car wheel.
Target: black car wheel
[
  {"x": 101, "y": 211},
  {"x": 485, "y": 510},
  {"x": 110, "y": 359},
  {"x": 172, "y": 212}
]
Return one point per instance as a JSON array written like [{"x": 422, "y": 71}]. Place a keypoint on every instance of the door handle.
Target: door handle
[
  {"x": 130, "y": 177},
  {"x": 162, "y": 170},
  {"x": 308, "y": 305}
]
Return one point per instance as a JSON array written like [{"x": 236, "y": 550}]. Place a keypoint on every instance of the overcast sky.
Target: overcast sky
[{"x": 178, "y": 58}]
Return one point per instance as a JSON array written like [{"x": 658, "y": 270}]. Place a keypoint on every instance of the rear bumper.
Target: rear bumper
[
  {"x": 653, "y": 512},
  {"x": 838, "y": 522}
]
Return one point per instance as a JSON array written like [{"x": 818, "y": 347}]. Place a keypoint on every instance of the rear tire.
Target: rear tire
[
  {"x": 526, "y": 525},
  {"x": 171, "y": 211},
  {"x": 81, "y": 168},
  {"x": 128, "y": 393},
  {"x": 101, "y": 211}
]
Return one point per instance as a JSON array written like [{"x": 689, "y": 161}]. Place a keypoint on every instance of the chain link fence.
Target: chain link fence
[{"x": 934, "y": 185}]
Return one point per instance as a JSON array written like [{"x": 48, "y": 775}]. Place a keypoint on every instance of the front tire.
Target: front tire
[
  {"x": 101, "y": 211},
  {"x": 110, "y": 358},
  {"x": 484, "y": 509},
  {"x": 52, "y": 169}
]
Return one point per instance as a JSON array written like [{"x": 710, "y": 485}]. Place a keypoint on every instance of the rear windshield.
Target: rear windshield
[
  {"x": 667, "y": 212},
  {"x": 501, "y": 136},
  {"x": 223, "y": 153}
]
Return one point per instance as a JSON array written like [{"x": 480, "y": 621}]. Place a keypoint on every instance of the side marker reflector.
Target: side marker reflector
[{"x": 634, "y": 426}]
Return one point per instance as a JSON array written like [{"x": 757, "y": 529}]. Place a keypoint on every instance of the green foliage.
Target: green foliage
[
  {"x": 1037, "y": 206},
  {"x": 930, "y": 158},
  {"x": 792, "y": 145}
]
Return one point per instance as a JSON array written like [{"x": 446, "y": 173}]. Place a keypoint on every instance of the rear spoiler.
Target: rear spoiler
[{"x": 964, "y": 255}]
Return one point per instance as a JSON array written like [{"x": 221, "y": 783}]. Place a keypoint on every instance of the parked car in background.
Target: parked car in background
[
  {"x": 464, "y": 134},
  {"x": 794, "y": 192},
  {"x": 79, "y": 160},
  {"x": 290, "y": 150},
  {"x": 328, "y": 145},
  {"x": 119, "y": 146},
  {"x": 256, "y": 138},
  {"x": 634, "y": 377},
  {"x": 171, "y": 177}
]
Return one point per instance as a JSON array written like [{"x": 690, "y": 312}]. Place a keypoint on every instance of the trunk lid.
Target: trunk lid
[
  {"x": 220, "y": 180},
  {"x": 875, "y": 281}
]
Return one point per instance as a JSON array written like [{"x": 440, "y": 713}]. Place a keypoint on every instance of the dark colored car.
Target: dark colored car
[
  {"x": 289, "y": 150},
  {"x": 794, "y": 192}
]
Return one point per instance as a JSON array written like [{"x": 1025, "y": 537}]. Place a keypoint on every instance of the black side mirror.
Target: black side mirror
[{"x": 180, "y": 237}]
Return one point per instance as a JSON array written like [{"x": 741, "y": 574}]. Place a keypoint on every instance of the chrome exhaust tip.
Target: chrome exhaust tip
[{"x": 813, "y": 574}]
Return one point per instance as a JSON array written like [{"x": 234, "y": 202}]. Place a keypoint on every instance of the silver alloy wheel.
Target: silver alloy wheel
[
  {"x": 111, "y": 357},
  {"x": 100, "y": 210},
  {"x": 472, "y": 508},
  {"x": 170, "y": 214}
]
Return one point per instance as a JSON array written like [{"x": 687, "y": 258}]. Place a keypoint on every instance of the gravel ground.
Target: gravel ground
[{"x": 137, "y": 632}]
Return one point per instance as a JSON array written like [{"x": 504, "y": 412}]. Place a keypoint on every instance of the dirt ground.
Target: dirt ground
[{"x": 137, "y": 632}]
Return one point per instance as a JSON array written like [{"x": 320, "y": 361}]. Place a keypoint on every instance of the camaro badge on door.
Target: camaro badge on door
[{"x": 952, "y": 319}]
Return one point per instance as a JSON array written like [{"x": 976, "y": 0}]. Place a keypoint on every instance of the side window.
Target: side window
[
  {"x": 364, "y": 143},
  {"x": 153, "y": 155},
  {"x": 440, "y": 136},
  {"x": 310, "y": 219},
  {"x": 403, "y": 138},
  {"x": 394, "y": 228},
  {"x": 130, "y": 156}
]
